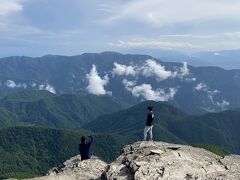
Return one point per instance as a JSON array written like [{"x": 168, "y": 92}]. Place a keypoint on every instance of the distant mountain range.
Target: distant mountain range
[
  {"x": 227, "y": 59},
  {"x": 29, "y": 150},
  {"x": 106, "y": 114},
  {"x": 107, "y": 94},
  {"x": 130, "y": 78}
]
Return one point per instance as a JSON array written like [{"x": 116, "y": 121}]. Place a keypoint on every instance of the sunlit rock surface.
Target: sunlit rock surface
[
  {"x": 150, "y": 161},
  {"x": 75, "y": 169}
]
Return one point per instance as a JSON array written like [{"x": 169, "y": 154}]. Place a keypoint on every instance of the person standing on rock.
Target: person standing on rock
[
  {"x": 149, "y": 124},
  {"x": 84, "y": 147}
]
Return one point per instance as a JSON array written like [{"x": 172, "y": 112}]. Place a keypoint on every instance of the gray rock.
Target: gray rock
[
  {"x": 158, "y": 160},
  {"x": 152, "y": 161},
  {"x": 75, "y": 169}
]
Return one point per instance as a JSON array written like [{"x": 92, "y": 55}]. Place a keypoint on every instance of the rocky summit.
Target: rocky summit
[
  {"x": 75, "y": 169},
  {"x": 152, "y": 161}
]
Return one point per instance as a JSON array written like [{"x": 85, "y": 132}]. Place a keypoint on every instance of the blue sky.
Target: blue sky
[{"x": 69, "y": 27}]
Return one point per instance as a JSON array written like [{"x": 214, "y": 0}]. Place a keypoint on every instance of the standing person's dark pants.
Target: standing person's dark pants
[{"x": 149, "y": 126}]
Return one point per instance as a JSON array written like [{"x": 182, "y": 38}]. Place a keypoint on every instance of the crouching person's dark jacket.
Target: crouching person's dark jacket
[{"x": 84, "y": 148}]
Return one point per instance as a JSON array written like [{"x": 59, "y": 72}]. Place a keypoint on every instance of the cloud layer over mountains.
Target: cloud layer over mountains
[
  {"x": 152, "y": 70},
  {"x": 23, "y": 85},
  {"x": 145, "y": 91},
  {"x": 202, "y": 87}
]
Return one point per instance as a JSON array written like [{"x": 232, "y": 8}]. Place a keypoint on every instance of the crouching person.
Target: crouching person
[{"x": 84, "y": 147}]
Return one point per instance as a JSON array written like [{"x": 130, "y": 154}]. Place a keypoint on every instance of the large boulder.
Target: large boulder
[
  {"x": 152, "y": 161},
  {"x": 158, "y": 160},
  {"x": 75, "y": 169}
]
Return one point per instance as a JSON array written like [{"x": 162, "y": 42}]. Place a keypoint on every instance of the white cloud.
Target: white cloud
[
  {"x": 184, "y": 71},
  {"x": 223, "y": 105},
  {"x": 146, "y": 92},
  {"x": 24, "y": 85},
  {"x": 34, "y": 84},
  {"x": 196, "y": 42},
  {"x": 200, "y": 86},
  {"x": 232, "y": 35},
  {"x": 96, "y": 84},
  {"x": 161, "y": 12},
  {"x": 106, "y": 8},
  {"x": 210, "y": 94},
  {"x": 128, "y": 84},
  {"x": 152, "y": 68},
  {"x": 7, "y": 7},
  {"x": 203, "y": 87},
  {"x": 129, "y": 19},
  {"x": 152, "y": 44},
  {"x": 47, "y": 87},
  {"x": 123, "y": 70},
  {"x": 12, "y": 84},
  {"x": 216, "y": 54},
  {"x": 190, "y": 79},
  {"x": 13, "y": 24}
]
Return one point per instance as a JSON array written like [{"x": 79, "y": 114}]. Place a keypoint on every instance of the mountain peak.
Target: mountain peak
[{"x": 152, "y": 160}]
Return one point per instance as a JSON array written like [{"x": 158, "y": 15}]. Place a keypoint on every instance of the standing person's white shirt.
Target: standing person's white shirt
[{"x": 149, "y": 124}]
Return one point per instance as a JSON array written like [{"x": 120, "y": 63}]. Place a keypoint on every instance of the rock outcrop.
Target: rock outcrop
[
  {"x": 157, "y": 160},
  {"x": 152, "y": 161},
  {"x": 75, "y": 169}
]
